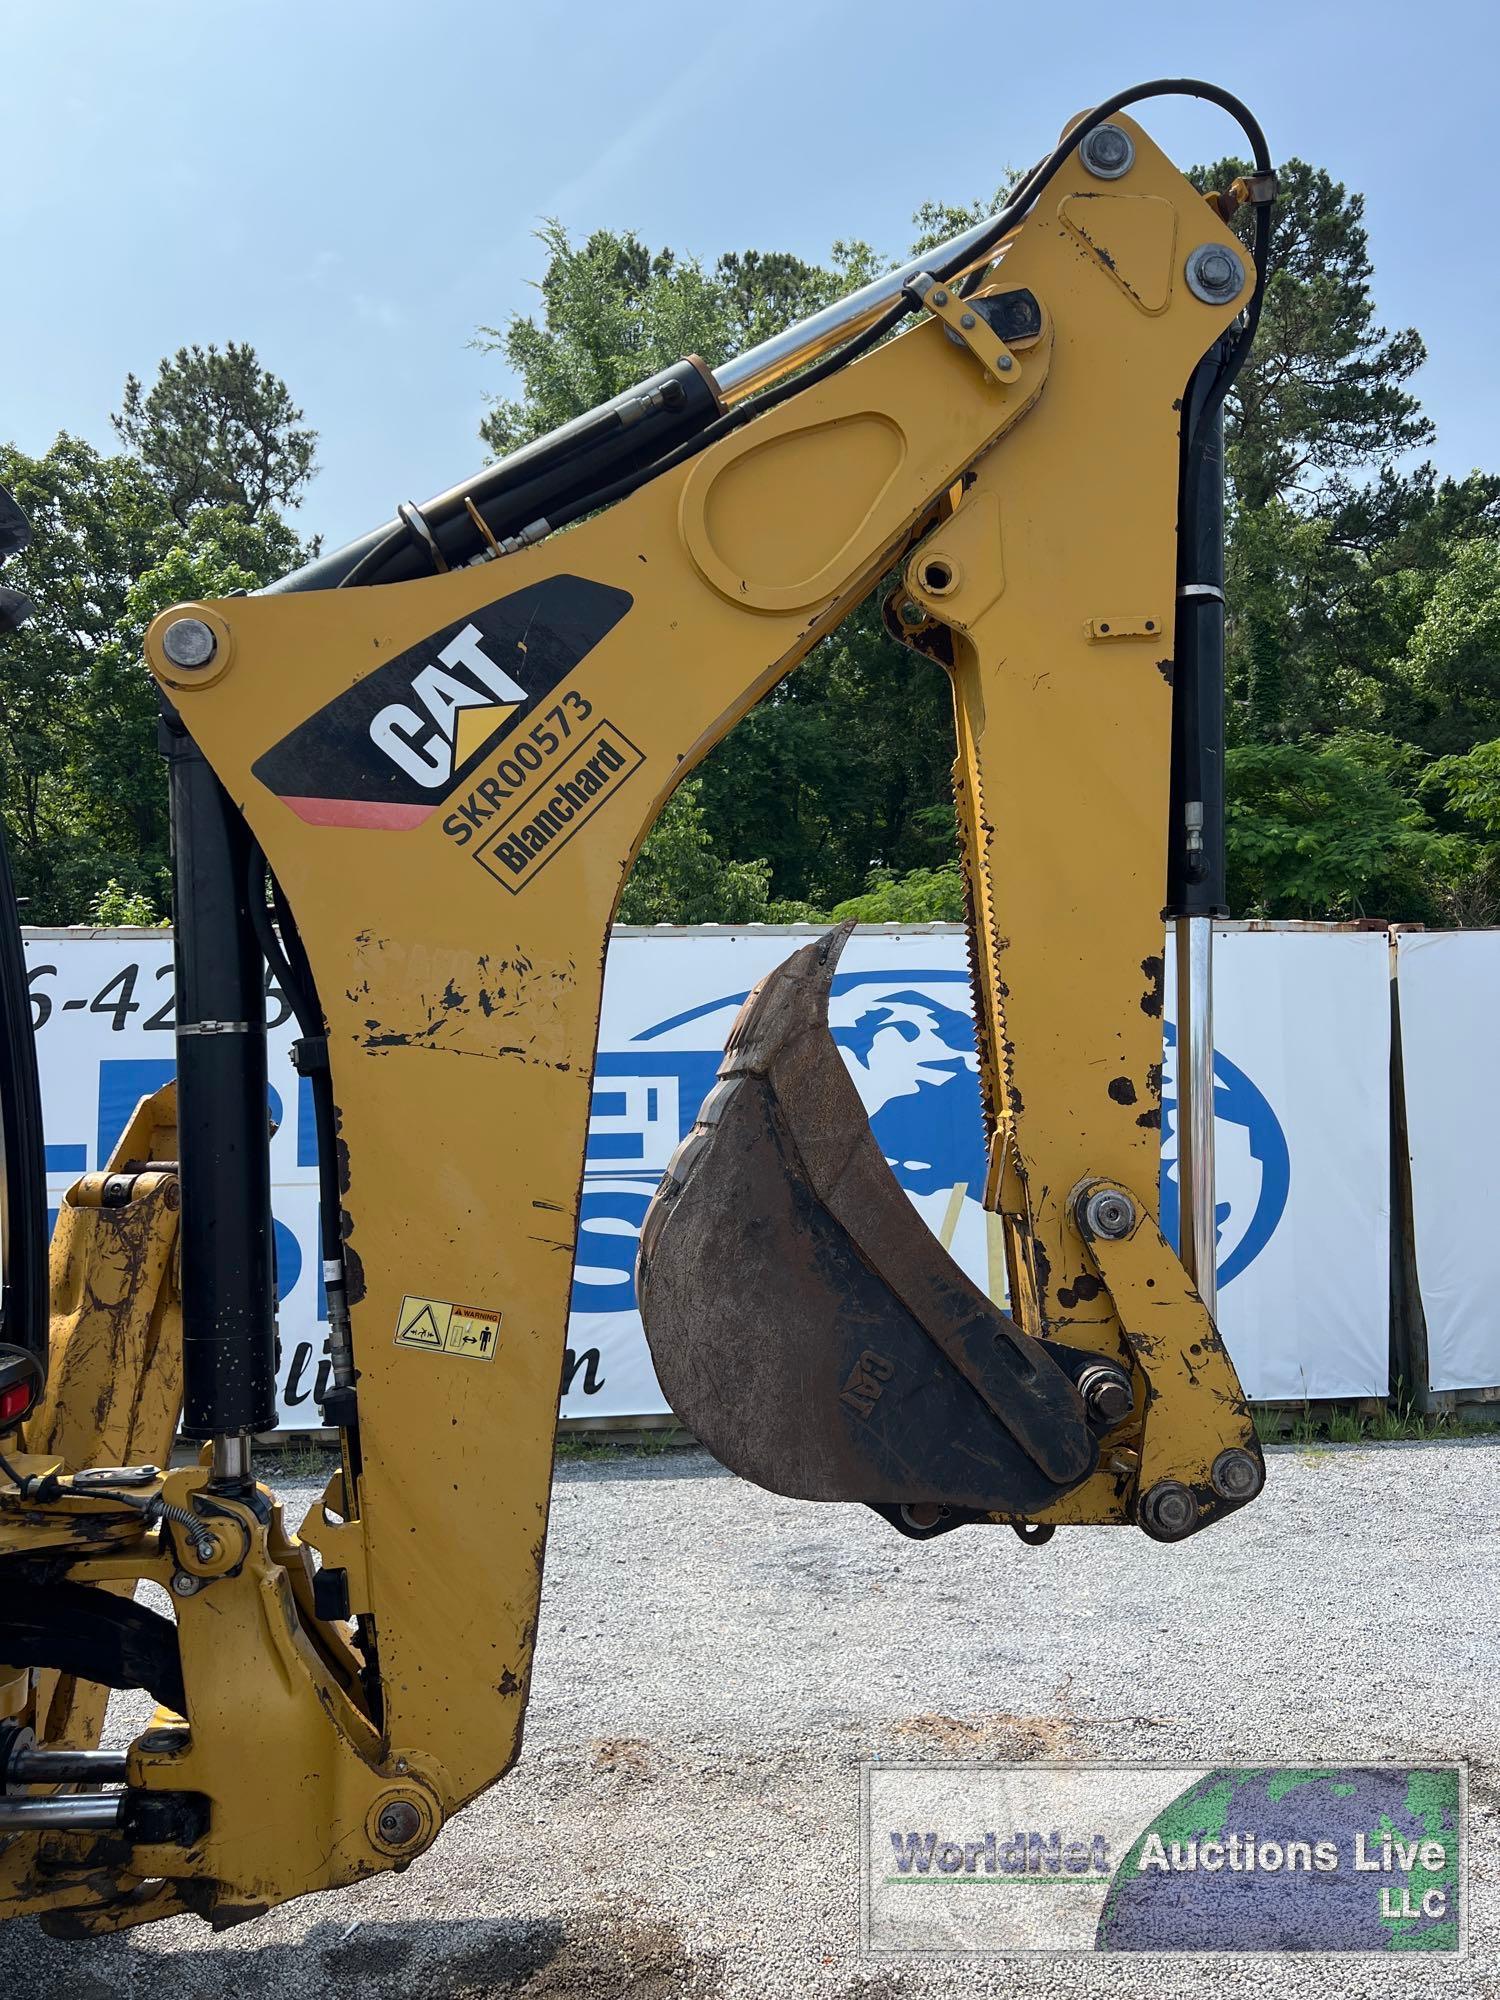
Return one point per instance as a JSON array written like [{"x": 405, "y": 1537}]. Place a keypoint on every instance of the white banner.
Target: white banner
[
  {"x": 1300, "y": 1100},
  {"x": 1302, "y": 1037},
  {"x": 1449, "y": 984}
]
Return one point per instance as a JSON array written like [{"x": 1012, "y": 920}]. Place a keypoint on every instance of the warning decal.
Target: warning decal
[{"x": 441, "y": 1327}]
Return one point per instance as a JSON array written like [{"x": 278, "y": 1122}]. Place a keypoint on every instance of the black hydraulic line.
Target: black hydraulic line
[
  {"x": 23, "y": 1159},
  {"x": 1195, "y": 852},
  {"x": 1014, "y": 212},
  {"x": 677, "y": 413},
  {"x": 223, "y": 1136},
  {"x": 632, "y": 429},
  {"x": 283, "y": 949}
]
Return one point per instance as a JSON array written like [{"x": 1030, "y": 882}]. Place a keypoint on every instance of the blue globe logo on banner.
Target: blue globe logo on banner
[
  {"x": 1250, "y": 1149},
  {"x": 908, "y": 1038}
]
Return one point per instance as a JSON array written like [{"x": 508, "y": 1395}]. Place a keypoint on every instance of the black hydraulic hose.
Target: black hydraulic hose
[
  {"x": 23, "y": 1162},
  {"x": 271, "y": 946},
  {"x": 288, "y": 961},
  {"x": 1014, "y": 212},
  {"x": 553, "y": 466},
  {"x": 23, "y": 1169},
  {"x": 632, "y": 428},
  {"x": 599, "y": 427}
]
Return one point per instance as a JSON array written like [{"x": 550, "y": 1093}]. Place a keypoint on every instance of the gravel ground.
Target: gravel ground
[{"x": 715, "y": 1662}]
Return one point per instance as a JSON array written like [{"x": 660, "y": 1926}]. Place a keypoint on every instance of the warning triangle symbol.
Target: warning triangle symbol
[
  {"x": 422, "y": 1331},
  {"x": 475, "y": 727}
]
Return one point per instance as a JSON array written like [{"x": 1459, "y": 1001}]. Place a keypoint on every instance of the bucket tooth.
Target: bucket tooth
[{"x": 803, "y": 1320}]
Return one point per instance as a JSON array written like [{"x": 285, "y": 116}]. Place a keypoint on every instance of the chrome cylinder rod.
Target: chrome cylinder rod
[
  {"x": 812, "y": 338},
  {"x": 68, "y": 1812},
  {"x": 232, "y": 1464},
  {"x": 1198, "y": 1225},
  {"x": 34, "y": 1766}
]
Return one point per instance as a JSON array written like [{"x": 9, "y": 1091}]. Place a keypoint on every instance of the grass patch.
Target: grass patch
[
  {"x": 622, "y": 1444},
  {"x": 295, "y": 1461},
  {"x": 1397, "y": 1422}
]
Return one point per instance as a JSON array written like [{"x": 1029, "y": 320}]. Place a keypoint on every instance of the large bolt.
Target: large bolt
[
  {"x": 1215, "y": 274},
  {"x": 1107, "y": 152},
  {"x": 1169, "y": 1511},
  {"x": 1237, "y": 1475},
  {"x": 399, "y": 1823},
  {"x": 188, "y": 642},
  {"x": 1106, "y": 1394},
  {"x": 184, "y": 1585},
  {"x": 1108, "y": 1213}
]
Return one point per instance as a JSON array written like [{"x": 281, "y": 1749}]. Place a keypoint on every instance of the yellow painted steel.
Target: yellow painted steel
[
  {"x": 463, "y": 1011},
  {"x": 113, "y": 1397},
  {"x": 114, "y": 1375}
]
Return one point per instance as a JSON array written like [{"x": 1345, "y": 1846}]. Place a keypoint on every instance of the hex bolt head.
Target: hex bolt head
[
  {"x": 1215, "y": 274},
  {"x": 1237, "y": 1475},
  {"x": 1005, "y": 364},
  {"x": 940, "y": 297},
  {"x": 1169, "y": 1511},
  {"x": 1106, "y": 1394},
  {"x": 966, "y": 320},
  {"x": 1108, "y": 1213},
  {"x": 1108, "y": 152},
  {"x": 188, "y": 642},
  {"x": 184, "y": 1585},
  {"x": 399, "y": 1823},
  {"x": 912, "y": 614}
]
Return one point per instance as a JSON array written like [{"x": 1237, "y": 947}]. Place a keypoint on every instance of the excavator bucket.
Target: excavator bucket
[{"x": 803, "y": 1320}]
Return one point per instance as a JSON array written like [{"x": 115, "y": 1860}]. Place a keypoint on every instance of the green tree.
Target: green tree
[
  {"x": 614, "y": 311},
  {"x": 1469, "y": 786},
  {"x": 1450, "y": 671},
  {"x": 679, "y": 878},
  {"x": 1332, "y": 539},
  {"x": 839, "y": 771},
  {"x": 1322, "y": 398},
  {"x": 217, "y": 429},
  {"x": 82, "y": 789},
  {"x": 1330, "y": 830},
  {"x": 920, "y": 896},
  {"x": 1363, "y": 592}
]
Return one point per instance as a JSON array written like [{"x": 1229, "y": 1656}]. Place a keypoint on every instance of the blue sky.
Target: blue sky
[{"x": 353, "y": 187}]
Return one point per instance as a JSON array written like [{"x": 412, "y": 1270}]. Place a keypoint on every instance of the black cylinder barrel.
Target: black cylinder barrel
[
  {"x": 23, "y": 1167},
  {"x": 223, "y": 1126},
  {"x": 1195, "y": 859},
  {"x": 576, "y": 459},
  {"x": 23, "y": 1170}
]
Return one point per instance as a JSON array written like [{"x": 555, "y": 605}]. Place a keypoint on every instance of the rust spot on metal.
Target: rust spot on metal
[
  {"x": 1156, "y": 972},
  {"x": 1165, "y": 668},
  {"x": 354, "y": 1270},
  {"x": 1083, "y": 1288},
  {"x": 1122, "y": 1090},
  {"x": 1043, "y": 1266},
  {"x": 1150, "y": 1121}
]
